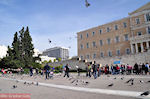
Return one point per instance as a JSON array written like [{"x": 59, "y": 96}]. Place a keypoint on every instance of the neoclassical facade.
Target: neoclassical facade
[{"x": 129, "y": 35}]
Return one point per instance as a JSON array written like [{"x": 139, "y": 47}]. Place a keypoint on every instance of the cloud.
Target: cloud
[{"x": 3, "y": 51}]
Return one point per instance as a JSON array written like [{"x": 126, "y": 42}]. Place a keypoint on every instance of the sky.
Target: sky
[{"x": 59, "y": 20}]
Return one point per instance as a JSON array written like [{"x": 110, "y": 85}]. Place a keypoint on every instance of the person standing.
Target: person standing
[
  {"x": 136, "y": 68},
  {"x": 46, "y": 68},
  {"x": 66, "y": 71},
  {"x": 31, "y": 71},
  {"x": 94, "y": 67}
]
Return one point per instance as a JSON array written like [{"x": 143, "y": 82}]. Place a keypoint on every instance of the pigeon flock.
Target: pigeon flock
[{"x": 81, "y": 81}]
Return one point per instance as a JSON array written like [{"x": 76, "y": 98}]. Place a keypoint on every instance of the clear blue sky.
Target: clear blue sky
[{"x": 59, "y": 20}]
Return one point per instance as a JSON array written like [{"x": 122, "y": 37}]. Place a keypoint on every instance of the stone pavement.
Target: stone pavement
[{"x": 76, "y": 90}]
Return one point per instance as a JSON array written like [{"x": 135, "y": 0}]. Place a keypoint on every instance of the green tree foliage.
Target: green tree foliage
[
  {"x": 28, "y": 48},
  {"x": 21, "y": 52},
  {"x": 59, "y": 59}
]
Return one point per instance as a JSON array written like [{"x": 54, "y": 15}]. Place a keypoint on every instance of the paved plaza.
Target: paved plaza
[{"x": 77, "y": 87}]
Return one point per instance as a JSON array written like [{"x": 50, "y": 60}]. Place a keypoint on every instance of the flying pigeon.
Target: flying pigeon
[
  {"x": 49, "y": 40},
  {"x": 110, "y": 85},
  {"x": 86, "y": 3},
  {"x": 145, "y": 93}
]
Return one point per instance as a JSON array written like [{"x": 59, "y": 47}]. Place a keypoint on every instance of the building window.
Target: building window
[
  {"x": 108, "y": 41},
  {"x": 118, "y": 52},
  {"x": 87, "y": 35},
  {"x": 101, "y": 54},
  {"x": 100, "y": 31},
  {"x": 124, "y": 24},
  {"x": 148, "y": 29},
  {"x": 139, "y": 33},
  {"x": 127, "y": 51},
  {"x": 116, "y": 27},
  {"x": 109, "y": 54},
  {"x": 126, "y": 37},
  {"x": 137, "y": 21},
  {"x": 94, "y": 56},
  {"x": 94, "y": 44},
  {"x": 81, "y": 36},
  {"x": 81, "y": 46},
  {"x": 81, "y": 57},
  {"x": 108, "y": 30},
  {"x": 93, "y": 33},
  {"x": 87, "y": 45},
  {"x": 117, "y": 39},
  {"x": 101, "y": 42},
  {"x": 87, "y": 56},
  {"x": 148, "y": 16}
]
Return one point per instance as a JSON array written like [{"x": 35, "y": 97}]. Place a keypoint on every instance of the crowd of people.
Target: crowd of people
[{"x": 96, "y": 69}]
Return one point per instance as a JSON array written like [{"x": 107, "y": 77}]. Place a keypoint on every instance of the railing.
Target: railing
[{"x": 139, "y": 38}]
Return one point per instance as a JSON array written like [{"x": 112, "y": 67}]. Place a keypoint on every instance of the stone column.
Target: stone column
[
  {"x": 132, "y": 49},
  {"x": 142, "y": 49},
  {"x": 136, "y": 48},
  {"x": 147, "y": 44}
]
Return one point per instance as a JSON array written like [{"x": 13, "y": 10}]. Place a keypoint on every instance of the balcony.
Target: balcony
[{"x": 137, "y": 39}]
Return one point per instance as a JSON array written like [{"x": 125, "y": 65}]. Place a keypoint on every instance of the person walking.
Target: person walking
[
  {"x": 66, "y": 71},
  {"x": 46, "y": 68}
]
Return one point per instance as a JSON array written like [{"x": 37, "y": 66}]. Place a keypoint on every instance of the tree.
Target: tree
[
  {"x": 50, "y": 61},
  {"x": 59, "y": 59},
  {"x": 54, "y": 60},
  {"x": 15, "y": 47},
  {"x": 28, "y": 48},
  {"x": 21, "y": 52}
]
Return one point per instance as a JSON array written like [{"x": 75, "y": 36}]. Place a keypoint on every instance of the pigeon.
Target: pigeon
[
  {"x": 49, "y": 40},
  {"x": 110, "y": 85},
  {"x": 32, "y": 83},
  {"x": 86, "y": 3},
  {"x": 141, "y": 81},
  {"x": 25, "y": 82},
  {"x": 73, "y": 81},
  {"x": 17, "y": 81},
  {"x": 129, "y": 80},
  {"x": 132, "y": 83},
  {"x": 115, "y": 78},
  {"x": 122, "y": 78},
  {"x": 148, "y": 81},
  {"x": 14, "y": 86},
  {"x": 76, "y": 80},
  {"x": 86, "y": 82},
  {"x": 108, "y": 76},
  {"x": 145, "y": 93},
  {"x": 37, "y": 83}
]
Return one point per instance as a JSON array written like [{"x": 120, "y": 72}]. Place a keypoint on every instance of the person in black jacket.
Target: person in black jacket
[
  {"x": 46, "y": 68},
  {"x": 66, "y": 71}
]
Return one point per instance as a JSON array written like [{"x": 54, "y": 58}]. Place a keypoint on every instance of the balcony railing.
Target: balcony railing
[{"x": 140, "y": 38}]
